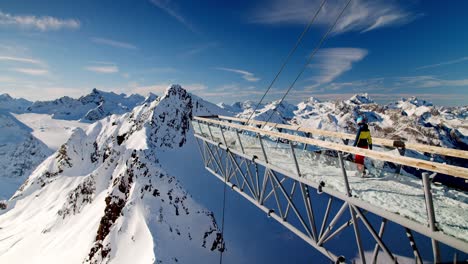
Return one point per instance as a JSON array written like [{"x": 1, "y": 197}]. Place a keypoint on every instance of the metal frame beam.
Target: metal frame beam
[{"x": 238, "y": 163}]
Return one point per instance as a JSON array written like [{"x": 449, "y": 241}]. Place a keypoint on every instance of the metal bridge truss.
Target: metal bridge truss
[{"x": 287, "y": 197}]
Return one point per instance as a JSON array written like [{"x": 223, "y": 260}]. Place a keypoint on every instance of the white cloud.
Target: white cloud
[
  {"x": 42, "y": 23},
  {"x": 20, "y": 59},
  {"x": 103, "y": 69},
  {"x": 443, "y": 63},
  {"x": 39, "y": 70},
  {"x": 390, "y": 85},
  {"x": 429, "y": 81},
  {"x": 248, "y": 76},
  {"x": 333, "y": 62},
  {"x": 360, "y": 16},
  {"x": 32, "y": 71},
  {"x": 198, "y": 49},
  {"x": 114, "y": 43},
  {"x": 170, "y": 8}
]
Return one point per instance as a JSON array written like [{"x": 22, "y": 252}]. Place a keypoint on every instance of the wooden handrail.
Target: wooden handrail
[
  {"x": 412, "y": 162},
  {"x": 377, "y": 141}
]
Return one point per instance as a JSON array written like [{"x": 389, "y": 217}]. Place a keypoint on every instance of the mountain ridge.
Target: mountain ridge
[{"x": 112, "y": 171}]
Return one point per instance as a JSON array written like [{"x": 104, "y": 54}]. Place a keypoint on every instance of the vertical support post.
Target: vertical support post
[
  {"x": 240, "y": 142},
  {"x": 211, "y": 134},
  {"x": 308, "y": 135},
  {"x": 430, "y": 213},
  {"x": 257, "y": 181},
  {"x": 199, "y": 127},
  {"x": 222, "y": 134},
  {"x": 345, "y": 175},
  {"x": 402, "y": 150},
  {"x": 296, "y": 164},
  {"x": 263, "y": 148},
  {"x": 353, "y": 213}
]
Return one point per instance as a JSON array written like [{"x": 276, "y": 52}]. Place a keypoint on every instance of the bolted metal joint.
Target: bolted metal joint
[
  {"x": 319, "y": 188},
  {"x": 271, "y": 211}
]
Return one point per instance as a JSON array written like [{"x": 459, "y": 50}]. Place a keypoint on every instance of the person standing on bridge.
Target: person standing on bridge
[{"x": 363, "y": 140}]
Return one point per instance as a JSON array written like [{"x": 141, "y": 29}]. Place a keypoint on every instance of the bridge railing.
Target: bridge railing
[
  {"x": 455, "y": 171},
  {"x": 319, "y": 163},
  {"x": 345, "y": 136}
]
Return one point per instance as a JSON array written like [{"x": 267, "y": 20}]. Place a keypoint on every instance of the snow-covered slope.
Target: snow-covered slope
[
  {"x": 53, "y": 132},
  {"x": 89, "y": 108},
  {"x": 12, "y": 104},
  {"x": 409, "y": 119},
  {"x": 104, "y": 197},
  {"x": 274, "y": 112},
  {"x": 239, "y": 107},
  {"x": 20, "y": 153}
]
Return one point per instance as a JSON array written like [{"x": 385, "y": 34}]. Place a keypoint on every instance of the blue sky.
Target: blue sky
[{"x": 231, "y": 50}]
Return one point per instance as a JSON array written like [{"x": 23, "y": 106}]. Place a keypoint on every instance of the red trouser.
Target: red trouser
[{"x": 360, "y": 159}]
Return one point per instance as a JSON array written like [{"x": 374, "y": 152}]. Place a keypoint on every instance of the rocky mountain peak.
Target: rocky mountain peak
[
  {"x": 416, "y": 101},
  {"x": 5, "y": 97},
  {"x": 107, "y": 188},
  {"x": 359, "y": 99}
]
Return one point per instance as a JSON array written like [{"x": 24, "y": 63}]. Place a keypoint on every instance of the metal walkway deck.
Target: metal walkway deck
[{"x": 278, "y": 171}]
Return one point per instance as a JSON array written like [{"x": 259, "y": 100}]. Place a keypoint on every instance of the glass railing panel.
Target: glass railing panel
[
  {"x": 203, "y": 128},
  {"x": 450, "y": 209},
  {"x": 196, "y": 128}
]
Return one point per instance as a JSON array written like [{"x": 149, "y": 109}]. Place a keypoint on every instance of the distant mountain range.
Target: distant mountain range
[
  {"x": 410, "y": 119},
  {"x": 89, "y": 108}
]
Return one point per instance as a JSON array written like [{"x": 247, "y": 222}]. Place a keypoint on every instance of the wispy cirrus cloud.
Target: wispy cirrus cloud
[
  {"x": 41, "y": 23},
  {"x": 25, "y": 65},
  {"x": 103, "y": 69},
  {"x": 114, "y": 43},
  {"x": 331, "y": 63},
  {"x": 248, "y": 76},
  {"x": 21, "y": 59},
  {"x": 171, "y": 9},
  {"x": 391, "y": 85},
  {"x": 32, "y": 71},
  {"x": 360, "y": 16},
  {"x": 429, "y": 81},
  {"x": 197, "y": 50},
  {"x": 462, "y": 59}
]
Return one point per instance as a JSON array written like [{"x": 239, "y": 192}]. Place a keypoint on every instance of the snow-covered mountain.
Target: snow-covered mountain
[
  {"x": 89, "y": 108},
  {"x": 104, "y": 197},
  {"x": 14, "y": 105},
  {"x": 239, "y": 107},
  {"x": 409, "y": 119},
  {"x": 20, "y": 153},
  {"x": 283, "y": 113}
]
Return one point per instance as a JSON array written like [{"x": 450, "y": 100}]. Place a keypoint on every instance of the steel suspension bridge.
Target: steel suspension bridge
[{"x": 278, "y": 171}]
